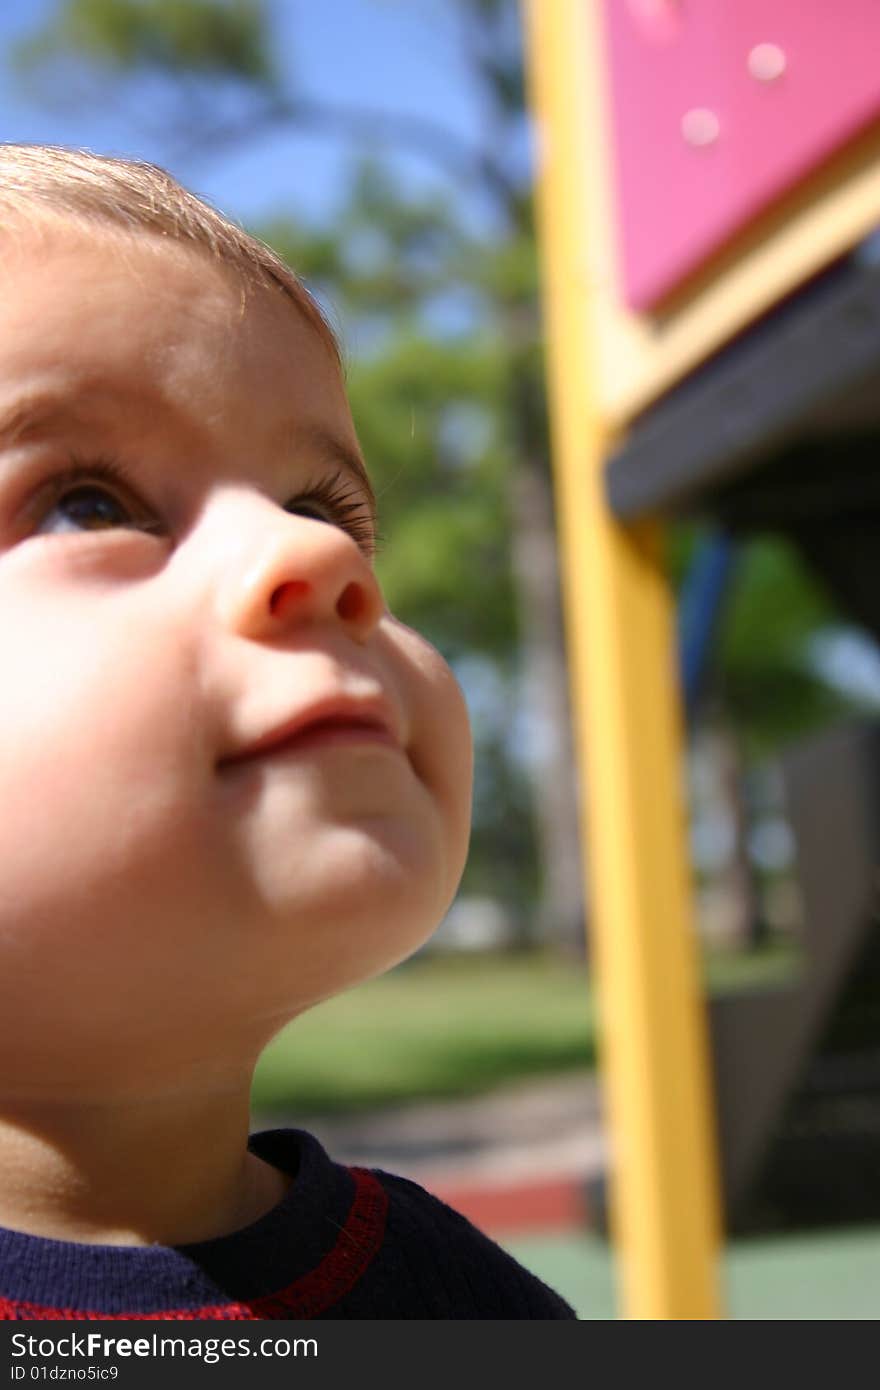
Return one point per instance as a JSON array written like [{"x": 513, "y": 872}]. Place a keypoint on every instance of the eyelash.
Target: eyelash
[{"x": 341, "y": 499}]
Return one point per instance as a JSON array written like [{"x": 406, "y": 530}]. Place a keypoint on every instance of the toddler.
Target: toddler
[{"x": 233, "y": 784}]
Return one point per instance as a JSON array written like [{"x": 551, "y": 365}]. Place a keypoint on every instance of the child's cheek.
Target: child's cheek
[{"x": 441, "y": 746}]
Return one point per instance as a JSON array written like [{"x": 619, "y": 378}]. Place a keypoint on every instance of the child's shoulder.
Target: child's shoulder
[
  {"x": 390, "y": 1249},
  {"x": 442, "y": 1252}
]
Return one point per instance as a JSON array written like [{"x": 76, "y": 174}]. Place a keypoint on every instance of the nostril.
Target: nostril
[
  {"x": 352, "y": 603},
  {"x": 292, "y": 589}
]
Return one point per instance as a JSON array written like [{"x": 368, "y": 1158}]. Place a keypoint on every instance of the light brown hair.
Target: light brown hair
[{"x": 136, "y": 196}]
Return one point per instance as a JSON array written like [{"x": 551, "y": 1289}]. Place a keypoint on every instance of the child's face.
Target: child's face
[{"x": 153, "y": 899}]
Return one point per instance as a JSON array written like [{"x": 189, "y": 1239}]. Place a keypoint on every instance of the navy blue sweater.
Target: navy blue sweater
[{"x": 343, "y": 1243}]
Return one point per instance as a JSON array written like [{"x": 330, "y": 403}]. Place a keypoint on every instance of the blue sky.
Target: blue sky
[{"x": 393, "y": 54}]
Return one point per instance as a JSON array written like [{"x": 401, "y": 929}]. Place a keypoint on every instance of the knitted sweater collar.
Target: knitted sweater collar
[{"x": 294, "y": 1262}]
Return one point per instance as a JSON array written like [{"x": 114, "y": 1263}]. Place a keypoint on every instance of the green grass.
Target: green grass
[
  {"x": 452, "y": 1026},
  {"x": 435, "y": 1027},
  {"x": 778, "y": 963},
  {"x": 815, "y": 1276}
]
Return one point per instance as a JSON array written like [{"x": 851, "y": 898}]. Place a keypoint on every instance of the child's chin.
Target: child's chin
[
  {"x": 359, "y": 870},
  {"x": 338, "y": 959}
]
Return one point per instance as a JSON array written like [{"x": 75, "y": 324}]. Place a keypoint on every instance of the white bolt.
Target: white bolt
[
  {"x": 700, "y": 126},
  {"x": 766, "y": 62}
]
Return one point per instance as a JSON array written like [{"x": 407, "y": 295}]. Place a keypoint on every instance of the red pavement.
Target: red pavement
[
  {"x": 515, "y": 1161},
  {"x": 517, "y": 1208}
]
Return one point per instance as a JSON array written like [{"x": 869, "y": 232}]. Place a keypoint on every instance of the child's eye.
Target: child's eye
[
  {"x": 81, "y": 495},
  {"x": 340, "y": 503}
]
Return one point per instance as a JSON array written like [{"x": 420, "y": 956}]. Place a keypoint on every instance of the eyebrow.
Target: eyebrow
[
  {"x": 40, "y": 409},
  {"x": 31, "y": 412}
]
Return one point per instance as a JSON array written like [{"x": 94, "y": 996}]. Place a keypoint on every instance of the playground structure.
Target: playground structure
[{"x": 709, "y": 193}]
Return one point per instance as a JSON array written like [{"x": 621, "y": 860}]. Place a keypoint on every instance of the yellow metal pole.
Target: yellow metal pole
[{"x": 619, "y": 616}]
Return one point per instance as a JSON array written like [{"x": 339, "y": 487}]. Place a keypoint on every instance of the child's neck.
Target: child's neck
[{"x": 171, "y": 1170}]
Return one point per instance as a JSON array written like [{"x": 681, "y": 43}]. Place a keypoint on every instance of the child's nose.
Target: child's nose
[{"x": 305, "y": 572}]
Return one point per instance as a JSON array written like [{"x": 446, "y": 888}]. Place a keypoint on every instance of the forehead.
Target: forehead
[
  {"x": 155, "y": 297},
  {"x": 92, "y": 319}
]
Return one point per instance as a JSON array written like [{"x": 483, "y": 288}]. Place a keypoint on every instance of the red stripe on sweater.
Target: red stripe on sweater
[{"x": 358, "y": 1243}]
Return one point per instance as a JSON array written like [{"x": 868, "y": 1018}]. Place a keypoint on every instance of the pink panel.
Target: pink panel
[{"x": 681, "y": 68}]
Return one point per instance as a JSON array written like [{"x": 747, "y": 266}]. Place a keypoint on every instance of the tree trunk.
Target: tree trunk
[
  {"x": 560, "y": 915},
  {"x": 743, "y": 916}
]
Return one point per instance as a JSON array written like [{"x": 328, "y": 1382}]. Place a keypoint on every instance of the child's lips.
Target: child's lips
[
  {"x": 331, "y": 722},
  {"x": 325, "y": 732}
]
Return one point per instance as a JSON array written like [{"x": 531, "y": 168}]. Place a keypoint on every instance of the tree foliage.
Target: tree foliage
[{"x": 206, "y": 38}]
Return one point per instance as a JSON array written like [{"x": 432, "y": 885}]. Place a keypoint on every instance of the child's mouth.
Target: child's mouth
[
  {"x": 326, "y": 732},
  {"x": 332, "y": 722}
]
